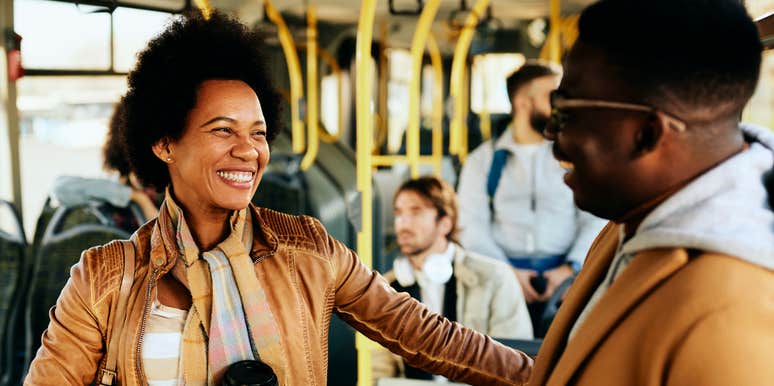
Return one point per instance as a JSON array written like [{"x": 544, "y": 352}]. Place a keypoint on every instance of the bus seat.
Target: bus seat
[
  {"x": 13, "y": 247},
  {"x": 527, "y": 346},
  {"x": 59, "y": 250},
  {"x": 282, "y": 186}
]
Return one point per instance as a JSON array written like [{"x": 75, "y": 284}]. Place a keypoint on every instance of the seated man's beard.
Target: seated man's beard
[{"x": 539, "y": 121}]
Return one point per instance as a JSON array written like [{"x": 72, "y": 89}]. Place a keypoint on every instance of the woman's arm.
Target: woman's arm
[
  {"x": 71, "y": 346},
  {"x": 427, "y": 340}
]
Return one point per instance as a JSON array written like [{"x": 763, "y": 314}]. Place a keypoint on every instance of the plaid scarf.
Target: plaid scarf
[{"x": 230, "y": 319}]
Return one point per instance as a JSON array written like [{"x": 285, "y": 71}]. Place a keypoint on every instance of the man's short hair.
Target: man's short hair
[
  {"x": 531, "y": 70},
  {"x": 440, "y": 194},
  {"x": 688, "y": 54}
]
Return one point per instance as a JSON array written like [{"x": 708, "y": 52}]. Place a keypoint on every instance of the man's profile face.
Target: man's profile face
[
  {"x": 597, "y": 144},
  {"x": 416, "y": 223},
  {"x": 534, "y": 99}
]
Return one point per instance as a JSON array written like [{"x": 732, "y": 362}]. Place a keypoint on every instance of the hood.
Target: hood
[{"x": 726, "y": 210}]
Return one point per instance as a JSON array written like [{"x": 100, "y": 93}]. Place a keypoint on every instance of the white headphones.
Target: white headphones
[{"x": 436, "y": 269}]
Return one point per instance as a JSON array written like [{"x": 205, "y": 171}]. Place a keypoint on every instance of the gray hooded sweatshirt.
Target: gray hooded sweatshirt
[{"x": 726, "y": 210}]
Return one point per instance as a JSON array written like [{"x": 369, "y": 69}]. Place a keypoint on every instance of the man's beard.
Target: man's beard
[
  {"x": 414, "y": 250},
  {"x": 539, "y": 121}
]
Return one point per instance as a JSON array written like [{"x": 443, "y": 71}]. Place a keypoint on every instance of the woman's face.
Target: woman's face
[{"x": 219, "y": 160}]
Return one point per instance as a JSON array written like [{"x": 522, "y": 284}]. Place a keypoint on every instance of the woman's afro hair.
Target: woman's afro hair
[{"x": 164, "y": 83}]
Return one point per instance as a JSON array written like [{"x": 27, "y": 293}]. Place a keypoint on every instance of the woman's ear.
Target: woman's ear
[{"x": 162, "y": 150}]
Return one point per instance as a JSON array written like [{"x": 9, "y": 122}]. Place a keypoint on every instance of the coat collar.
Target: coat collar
[
  {"x": 163, "y": 253},
  {"x": 558, "y": 361}
]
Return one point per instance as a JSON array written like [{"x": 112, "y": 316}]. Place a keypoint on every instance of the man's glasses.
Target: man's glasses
[{"x": 559, "y": 118}]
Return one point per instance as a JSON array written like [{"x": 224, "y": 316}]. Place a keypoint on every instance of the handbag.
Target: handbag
[{"x": 107, "y": 374}]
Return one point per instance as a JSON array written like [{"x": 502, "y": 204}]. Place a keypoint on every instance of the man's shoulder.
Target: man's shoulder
[
  {"x": 482, "y": 153},
  {"x": 484, "y": 267},
  {"x": 738, "y": 276}
]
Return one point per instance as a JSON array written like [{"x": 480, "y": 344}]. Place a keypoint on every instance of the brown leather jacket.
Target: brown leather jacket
[{"x": 310, "y": 275}]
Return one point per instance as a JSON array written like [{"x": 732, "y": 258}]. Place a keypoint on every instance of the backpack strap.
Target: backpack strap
[
  {"x": 108, "y": 375},
  {"x": 499, "y": 158}
]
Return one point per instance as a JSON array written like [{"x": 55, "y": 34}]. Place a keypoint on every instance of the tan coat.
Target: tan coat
[
  {"x": 489, "y": 300},
  {"x": 308, "y": 275},
  {"x": 673, "y": 317}
]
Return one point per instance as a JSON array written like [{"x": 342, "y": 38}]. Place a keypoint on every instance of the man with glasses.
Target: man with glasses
[
  {"x": 513, "y": 203},
  {"x": 677, "y": 289}
]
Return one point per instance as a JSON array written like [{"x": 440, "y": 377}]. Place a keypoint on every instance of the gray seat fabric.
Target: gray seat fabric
[
  {"x": 70, "y": 231},
  {"x": 13, "y": 248}
]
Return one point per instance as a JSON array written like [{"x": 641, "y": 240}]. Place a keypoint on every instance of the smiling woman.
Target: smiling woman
[
  {"x": 219, "y": 281},
  {"x": 217, "y": 163}
]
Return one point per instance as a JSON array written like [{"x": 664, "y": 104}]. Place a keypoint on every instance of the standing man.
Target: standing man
[
  {"x": 476, "y": 291},
  {"x": 513, "y": 203},
  {"x": 677, "y": 290}
]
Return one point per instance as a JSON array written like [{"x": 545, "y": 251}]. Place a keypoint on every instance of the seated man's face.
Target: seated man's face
[
  {"x": 596, "y": 144},
  {"x": 416, "y": 223}
]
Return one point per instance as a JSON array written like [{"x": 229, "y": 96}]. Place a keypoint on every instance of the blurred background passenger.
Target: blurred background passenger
[
  {"x": 477, "y": 291},
  {"x": 514, "y": 205},
  {"x": 74, "y": 190}
]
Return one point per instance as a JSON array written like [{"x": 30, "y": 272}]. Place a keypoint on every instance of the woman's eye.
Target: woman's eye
[
  {"x": 260, "y": 133},
  {"x": 221, "y": 131}
]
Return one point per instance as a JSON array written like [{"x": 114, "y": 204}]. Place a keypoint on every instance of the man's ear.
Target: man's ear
[
  {"x": 522, "y": 101},
  {"x": 445, "y": 225},
  {"x": 650, "y": 135},
  {"x": 162, "y": 150}
]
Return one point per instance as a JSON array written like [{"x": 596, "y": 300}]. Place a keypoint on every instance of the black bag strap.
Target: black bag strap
[{"x": 107, "y": 376}]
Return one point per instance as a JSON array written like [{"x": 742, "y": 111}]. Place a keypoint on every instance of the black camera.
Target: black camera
[{"x": 249, "y": 373}]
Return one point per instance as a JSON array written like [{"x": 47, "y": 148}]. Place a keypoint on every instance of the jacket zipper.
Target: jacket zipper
[
  {"x": 142, "y": 325},
  {"x": 259, "y": 258}
]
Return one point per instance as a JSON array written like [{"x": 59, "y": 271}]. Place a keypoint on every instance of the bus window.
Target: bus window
[
  {"x": 80, "y": 40},
  {"x": 132, "y": 29},
  {"x": 63, "y": 121},
  {"x": 397, "y": 97},
  {"x": 760, "y": 110},
  {"x": 487, "y": 82}
]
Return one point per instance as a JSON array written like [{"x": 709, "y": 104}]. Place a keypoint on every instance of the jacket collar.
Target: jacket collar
[
  {"x": 163, "y": 253},
  {"x": 647, "y": 270},
  {"x": 462, "y": 272}
]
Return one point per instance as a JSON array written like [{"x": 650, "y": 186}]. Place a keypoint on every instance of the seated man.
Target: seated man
[
  {"x": 477, "y": 291},
  {"x": 677, "y": 290},
  {"x": 514, "y": 205}
]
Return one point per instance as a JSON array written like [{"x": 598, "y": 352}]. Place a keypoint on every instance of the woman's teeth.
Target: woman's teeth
[
  {"x": 237, "y": 176},
  {"x": 568, "y": 166}
]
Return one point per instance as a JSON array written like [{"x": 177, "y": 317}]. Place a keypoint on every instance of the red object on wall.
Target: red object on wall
[{"x": 14, "y": 58}]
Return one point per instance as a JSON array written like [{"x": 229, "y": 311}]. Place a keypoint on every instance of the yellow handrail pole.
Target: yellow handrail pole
[
  {"x": 331, "y": 62},
  {"x": 382, "y": 114},
  {"x": 364, "y": 119},
  {"x": 485, "y": 119},
  {"x": 312, "y": 92},
  {"x": 459, "y": 61},
  {"x": 326, "y": 56},
  {"x": 417, "y": 52},
  {"x": 294, "y": 72},
  {"x": 463, "y": 153},
  {"x": 205, "y": 8},
  {"x": 554, "y": 36},
  {"x": 437, "y": 114}
]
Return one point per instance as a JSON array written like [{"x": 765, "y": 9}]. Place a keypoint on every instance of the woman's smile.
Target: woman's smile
[{"x": 239, "y": 179}]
